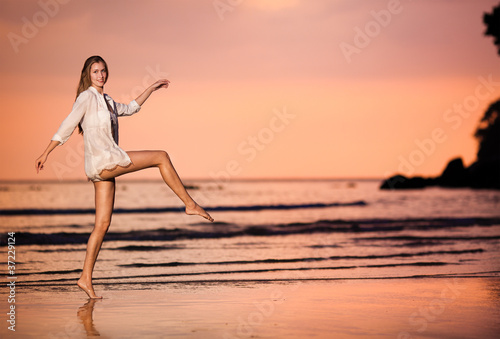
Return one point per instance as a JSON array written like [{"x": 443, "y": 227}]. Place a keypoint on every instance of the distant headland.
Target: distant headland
[{"x": 485, "y": 171}]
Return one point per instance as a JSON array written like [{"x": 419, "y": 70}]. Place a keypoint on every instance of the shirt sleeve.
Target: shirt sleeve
[
  {"x": 73, "y": 119},
  {"x": 124, "y": 110}
]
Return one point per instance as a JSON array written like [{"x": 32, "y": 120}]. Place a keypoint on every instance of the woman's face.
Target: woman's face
[{"x": 98, "y": 74}]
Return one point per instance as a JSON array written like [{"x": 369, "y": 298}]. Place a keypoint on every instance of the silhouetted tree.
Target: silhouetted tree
[
  {"x": 492, "y": 22},
  {"x": 488, "y": 134},
  {"x": 485, "y": 172}
]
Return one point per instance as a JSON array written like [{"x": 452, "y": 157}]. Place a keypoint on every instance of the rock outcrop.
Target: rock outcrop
[{"x": 478, "y": 175}]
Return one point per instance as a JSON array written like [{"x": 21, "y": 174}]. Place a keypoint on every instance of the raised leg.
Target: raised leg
[
  {"x": 160, "y": 159},
  {"x": 104, "y": 201}
]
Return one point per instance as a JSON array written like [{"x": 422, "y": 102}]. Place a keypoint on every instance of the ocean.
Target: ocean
[{"x": 264, "y": 231}]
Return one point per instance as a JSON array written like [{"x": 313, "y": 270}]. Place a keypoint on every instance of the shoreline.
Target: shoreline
[{"x": 445, "y": 307}]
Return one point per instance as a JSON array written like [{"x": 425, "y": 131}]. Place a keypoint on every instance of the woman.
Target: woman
[{"x": 95, "y": 113}]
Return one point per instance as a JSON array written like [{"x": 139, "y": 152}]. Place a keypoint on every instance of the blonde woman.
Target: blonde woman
[{"x": 95, "y": 114}]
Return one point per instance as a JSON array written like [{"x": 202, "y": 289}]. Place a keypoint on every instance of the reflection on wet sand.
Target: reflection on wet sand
[{"x": 85, "y": 315}]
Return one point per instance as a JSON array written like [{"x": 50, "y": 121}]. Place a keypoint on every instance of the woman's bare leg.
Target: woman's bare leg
[
  {"x": 104, "y": 201},
  {"x": 160, "y": 159}
]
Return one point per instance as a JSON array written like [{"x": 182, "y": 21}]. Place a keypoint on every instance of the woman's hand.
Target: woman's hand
[
  {"x": 43, "y": 158},
  {"x": 39, "y": 162},
  {"x": 162, "y": 83}
]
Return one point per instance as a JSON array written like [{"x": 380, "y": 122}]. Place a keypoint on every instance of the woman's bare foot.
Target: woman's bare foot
[
  {"x": 89, "y": 290},
  {"x": 198, "y": 210}
]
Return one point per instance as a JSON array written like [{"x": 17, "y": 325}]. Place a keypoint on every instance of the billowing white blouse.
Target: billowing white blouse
[{"x": 100, "y": 130}]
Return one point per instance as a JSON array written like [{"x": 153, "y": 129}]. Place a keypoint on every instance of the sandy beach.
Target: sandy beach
[
  {"x": 372, "y": 308},
  {"x": 279, "y": 262}
]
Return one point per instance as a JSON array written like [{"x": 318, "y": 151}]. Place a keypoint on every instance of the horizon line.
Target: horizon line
[{"x": 12, "y": 181}]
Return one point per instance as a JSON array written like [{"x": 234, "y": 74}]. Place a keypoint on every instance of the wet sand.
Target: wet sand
[{"x": 385, "y": 308}]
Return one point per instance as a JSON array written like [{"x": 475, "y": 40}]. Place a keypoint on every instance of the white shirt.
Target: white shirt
[{"x": 101, "y": 150}]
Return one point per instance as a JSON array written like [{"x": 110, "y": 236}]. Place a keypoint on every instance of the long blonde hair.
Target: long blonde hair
[{"x": 85, "y": 81}]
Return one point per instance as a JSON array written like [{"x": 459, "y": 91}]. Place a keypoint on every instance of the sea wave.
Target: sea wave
[
  {"x": 146, "y": 278},
  {"x": 317, "y": 259},
  {"x": 382, "y": 229},
  {"x": 242, "y": 208}
]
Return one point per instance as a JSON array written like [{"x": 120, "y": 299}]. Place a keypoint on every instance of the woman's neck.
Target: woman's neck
[{"x": 99, "y": 89}]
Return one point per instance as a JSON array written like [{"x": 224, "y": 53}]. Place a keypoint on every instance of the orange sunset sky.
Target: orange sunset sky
[{"x": 259, "y": 89}]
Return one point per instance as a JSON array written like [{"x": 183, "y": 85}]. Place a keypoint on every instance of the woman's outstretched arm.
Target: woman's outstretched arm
[
  {"x": 66, "y": 128},
  {"x": 41, "y": 160},
  {"x": 162, "y": 83}
]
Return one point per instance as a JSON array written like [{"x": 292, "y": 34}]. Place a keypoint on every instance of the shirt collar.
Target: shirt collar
[{"x": 93, "y": 89}]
